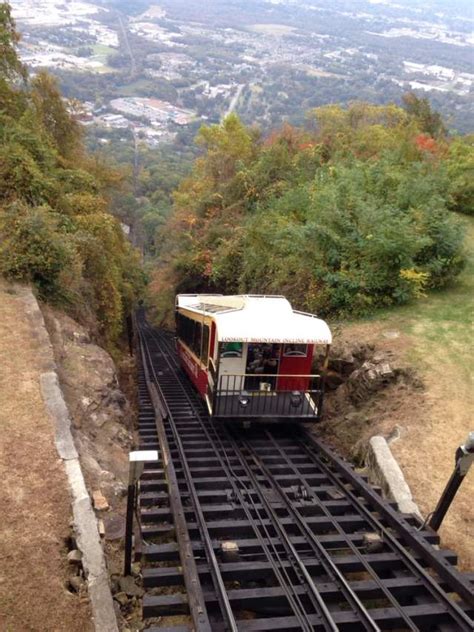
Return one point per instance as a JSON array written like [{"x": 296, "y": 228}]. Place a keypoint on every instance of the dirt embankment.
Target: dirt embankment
[
  {"x": 424, "y": 410},
  {"x": 41, "y": 586}
]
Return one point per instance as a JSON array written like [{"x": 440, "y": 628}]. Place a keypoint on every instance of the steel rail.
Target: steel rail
[
  {"x": 279, "y": 569},
  {"x": 444, "y": 568},
  {"x": 338, "y": 473},
  {"x": 350, "y": 544},
  {"x": 325, "y": 559},
  {"x": 209, "y": 549},
  {"x": 191, "y": 577},
  {"x": 350, "y": 595},
  {"x": 328, "y": 620},
  {"x": 285, "y": 585}
]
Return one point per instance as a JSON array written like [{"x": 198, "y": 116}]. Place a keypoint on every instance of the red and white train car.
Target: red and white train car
[{"x": 250, "y": 357}]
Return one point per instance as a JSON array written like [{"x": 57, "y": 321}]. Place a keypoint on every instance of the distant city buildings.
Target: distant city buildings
[
  {"x": 153, "y": 110},
  {"x": 148, "y": 119},
  {"x": 212, "y": 68}
]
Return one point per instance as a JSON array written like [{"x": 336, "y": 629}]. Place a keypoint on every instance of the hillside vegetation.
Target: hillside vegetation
[
  {"x": 351, "y": 213},
  {"x": 55, "y": 227}
]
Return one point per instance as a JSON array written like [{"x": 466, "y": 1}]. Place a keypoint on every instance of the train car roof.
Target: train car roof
[{"x": 251, "y": 318}]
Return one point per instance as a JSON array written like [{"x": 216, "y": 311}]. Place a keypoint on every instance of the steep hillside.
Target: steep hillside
[
  {"x": 56, "y": 229},
  {"x": 35, "y": 500},
  {"x": 428, "y": 414}
]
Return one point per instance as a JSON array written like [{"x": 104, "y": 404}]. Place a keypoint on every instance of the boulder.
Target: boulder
[
  {"x": 369, "y": 378},
  {"x": 99, "y": 500},
  {"x": 333, "y": 380},
  {"x": 114, "y": 527},
  {"x": 341, "y": 359},
  {"x": 77, "y": 584},
  {"x": 373, "y": 542}
]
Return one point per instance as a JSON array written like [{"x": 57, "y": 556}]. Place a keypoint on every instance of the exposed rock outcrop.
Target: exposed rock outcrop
[
  {"x": 363, "y": 387},
  {"x": 101, "y": 414},
  {"x": 357, "y": 371}
]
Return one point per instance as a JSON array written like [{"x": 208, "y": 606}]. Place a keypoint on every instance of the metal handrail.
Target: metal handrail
[{"x": 309, "y": 375}]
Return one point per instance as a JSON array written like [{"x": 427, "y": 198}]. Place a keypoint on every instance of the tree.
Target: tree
[
  {"x": 55, "y": 228},
  {"x": 53, "y": 115},
  {"x": 345, "y": 218},
  {"x": 225, "y": 145},
  {"x": 428, "y": 120},
  {"x": 460, "y": 172},
  {"x": 11, "y": 68}
]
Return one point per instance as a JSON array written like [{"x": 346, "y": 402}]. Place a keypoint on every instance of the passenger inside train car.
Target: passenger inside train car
[{"x": 262, "y": 359}]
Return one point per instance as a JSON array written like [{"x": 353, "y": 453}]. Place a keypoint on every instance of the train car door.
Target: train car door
[
  {"x": 211, "y": 362},
  {"x": 296, "y": 360},
  {"x": 232, "y": 358}
]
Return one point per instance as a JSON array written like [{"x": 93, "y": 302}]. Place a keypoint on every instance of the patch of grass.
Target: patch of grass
[
  {"x": 101, "y": 51},
  {"x": 441, "y": 324}
]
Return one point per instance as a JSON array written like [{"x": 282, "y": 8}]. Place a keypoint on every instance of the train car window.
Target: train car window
[
  {"x": 185, "y": 328},
  {"x": 205, "y": 344},
  {"x": 194, "y": 335},
  {"x": 197, "y": 337},
  {"x": 231, "y": 350},
  {"x": 190, "y": 332},
  {"x": 295, "y": 351}
]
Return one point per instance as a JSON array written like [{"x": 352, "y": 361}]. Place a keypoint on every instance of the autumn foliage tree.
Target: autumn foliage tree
[{"x": 346, "y": 215}]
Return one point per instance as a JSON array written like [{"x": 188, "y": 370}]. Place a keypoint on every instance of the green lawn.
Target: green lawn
[{"x": 100, "y": 53}]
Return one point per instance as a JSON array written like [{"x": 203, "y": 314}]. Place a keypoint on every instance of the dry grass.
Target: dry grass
[
  {"x": 435, "y": 337},
  {"x": 34, "y": 495}
]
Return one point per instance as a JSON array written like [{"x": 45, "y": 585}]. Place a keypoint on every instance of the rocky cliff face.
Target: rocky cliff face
[
  {"x": 101, "y": 415},
  {"x": 364, "y": 387}
]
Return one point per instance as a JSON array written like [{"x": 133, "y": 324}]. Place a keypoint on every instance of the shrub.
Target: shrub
[{"x": 33, "y": 249}]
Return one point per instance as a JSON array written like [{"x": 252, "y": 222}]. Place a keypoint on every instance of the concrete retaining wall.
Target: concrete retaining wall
[
  {"x": 385, "y": 471},
  {"x": 84, "y": 519}
]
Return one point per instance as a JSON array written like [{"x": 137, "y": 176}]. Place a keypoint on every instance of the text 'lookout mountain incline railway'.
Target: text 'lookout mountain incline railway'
[{"x": 269, "y": 530}]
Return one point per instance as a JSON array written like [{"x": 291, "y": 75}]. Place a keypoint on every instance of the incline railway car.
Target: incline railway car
[{"x": 250, "y": 356}]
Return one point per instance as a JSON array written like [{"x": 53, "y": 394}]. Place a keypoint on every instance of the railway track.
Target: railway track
[{"x": 269, "y": 530}]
